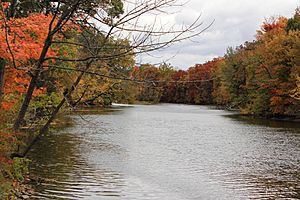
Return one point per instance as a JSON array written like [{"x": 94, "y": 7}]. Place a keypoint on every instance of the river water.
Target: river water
[{"x": 168, "y": 152}]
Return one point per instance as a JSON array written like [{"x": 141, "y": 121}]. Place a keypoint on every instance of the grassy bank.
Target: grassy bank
[{"x": 14, "y": 172}]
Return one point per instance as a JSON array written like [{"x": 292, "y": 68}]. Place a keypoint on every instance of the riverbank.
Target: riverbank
[
  {"x": 14, "y": 173},
  {"x": 240, "y": 112}
]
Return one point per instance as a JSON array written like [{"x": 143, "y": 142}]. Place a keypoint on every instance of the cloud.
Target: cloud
[{"x": 235, "y": 22}]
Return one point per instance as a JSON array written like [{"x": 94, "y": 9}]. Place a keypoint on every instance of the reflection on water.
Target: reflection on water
[
  {"x": 275, "y": 123},
  {"x": 168, "y": 152}
]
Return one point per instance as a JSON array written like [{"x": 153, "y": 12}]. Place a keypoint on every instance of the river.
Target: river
[{"x": 168, "y": 152}]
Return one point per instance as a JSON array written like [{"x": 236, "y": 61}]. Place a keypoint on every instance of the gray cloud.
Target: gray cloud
[{"x": 236, "y": 21}]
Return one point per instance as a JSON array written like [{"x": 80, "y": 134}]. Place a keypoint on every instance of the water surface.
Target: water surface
[{"x": 168, "y": 152}]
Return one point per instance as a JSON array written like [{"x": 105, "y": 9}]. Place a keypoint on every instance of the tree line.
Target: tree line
[
  {"x": 260, "y": 77},
  {"x": 56, "y": 55}
]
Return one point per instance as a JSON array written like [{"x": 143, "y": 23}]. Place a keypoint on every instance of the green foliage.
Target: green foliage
[
  {"x": 10, "y": 170},
  {"x": 293, "y": 24},
  {"x": 5, "y": 187},
  {"x": 234, "y": 74},
  {"x": 45, "y": 100},
  {"x": 107, "y": 100},
  {"x": 97, "y": 88},
  {"x": 43, "y": 104},
  {"x": 20, "y": 168},
  {"x": 125, "y": 92},
  {"x": 23, "y": 8},
  {"x": 116, "y": 8}
]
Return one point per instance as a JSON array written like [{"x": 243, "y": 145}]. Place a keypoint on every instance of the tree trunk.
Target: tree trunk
[
  {"x": 12, "y": 9},
  {"x": 56, "y": 109},
  {"x": 66, "y": 96},
  {"x": 34, "y": 80},
  {"x": 39, "y": 66},
  {"x": 2, "y": 71}
]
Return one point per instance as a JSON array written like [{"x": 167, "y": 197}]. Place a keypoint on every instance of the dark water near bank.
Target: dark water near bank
[{"x": 168, "y": 152}]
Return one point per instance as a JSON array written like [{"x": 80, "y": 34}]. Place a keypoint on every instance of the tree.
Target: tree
[
  {"x": 293, "y": 24},
  {"x": 110, "y": 21},
  {"x": 276, "y": 73},
  {"x": 148, "y": 91},
  {"x": 20, "y": 44},
  {"x": 200, "y": 82},
  {"x": 234, "y": 75},
  {"x": 177, "y": 87},
  {"x": 261, "y": 75}
]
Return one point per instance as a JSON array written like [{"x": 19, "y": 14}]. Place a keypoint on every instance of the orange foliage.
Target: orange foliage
[
  {"x": 21, "y": 42},
  {"x": 25, "y": 36},
  {"x": 277, "y": 24},
  {"x": 274, "y": 23}
]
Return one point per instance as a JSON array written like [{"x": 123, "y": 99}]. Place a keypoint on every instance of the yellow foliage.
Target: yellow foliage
[{"x": 295, "y": 93}]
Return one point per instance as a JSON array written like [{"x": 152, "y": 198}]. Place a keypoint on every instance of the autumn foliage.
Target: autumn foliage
[
  {"x": 35, "y": 36},
  {"x": 259, "y": 77},
  {"x": 21, "y": 44}
]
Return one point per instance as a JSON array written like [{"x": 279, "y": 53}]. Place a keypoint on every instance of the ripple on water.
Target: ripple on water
[{"x": 169, "y": 152}]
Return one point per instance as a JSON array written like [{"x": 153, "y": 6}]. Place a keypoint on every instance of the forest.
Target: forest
[
  {"x": 260, "y": 77},
  {"x": 53, "y": 60}
]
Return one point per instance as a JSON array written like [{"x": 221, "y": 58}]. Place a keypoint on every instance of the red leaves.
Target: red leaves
[
  {"x": 6, "y": 160},
  {"x": 5, "y": 5},
  {"x": 25, "y": 37},
  {"x": 21, "y": 43},
  {"x": 7, "y": 105},
  {"x": 274, "y": 23},
  {"x": 179, "y": 75}
]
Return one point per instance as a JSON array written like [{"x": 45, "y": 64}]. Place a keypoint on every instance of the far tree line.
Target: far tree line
[
  {"x": 57, "y": 55},
  {"x": 260, "y": 77}
]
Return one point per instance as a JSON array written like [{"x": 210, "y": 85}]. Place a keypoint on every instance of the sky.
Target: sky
[{"x": 235, "y": 22}]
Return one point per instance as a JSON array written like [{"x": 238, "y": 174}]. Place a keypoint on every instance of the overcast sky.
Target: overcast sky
[{"x": 236, "y": 21}]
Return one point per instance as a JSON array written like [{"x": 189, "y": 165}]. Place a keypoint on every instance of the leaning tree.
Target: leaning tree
[{"x": 93, "y": 28}]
